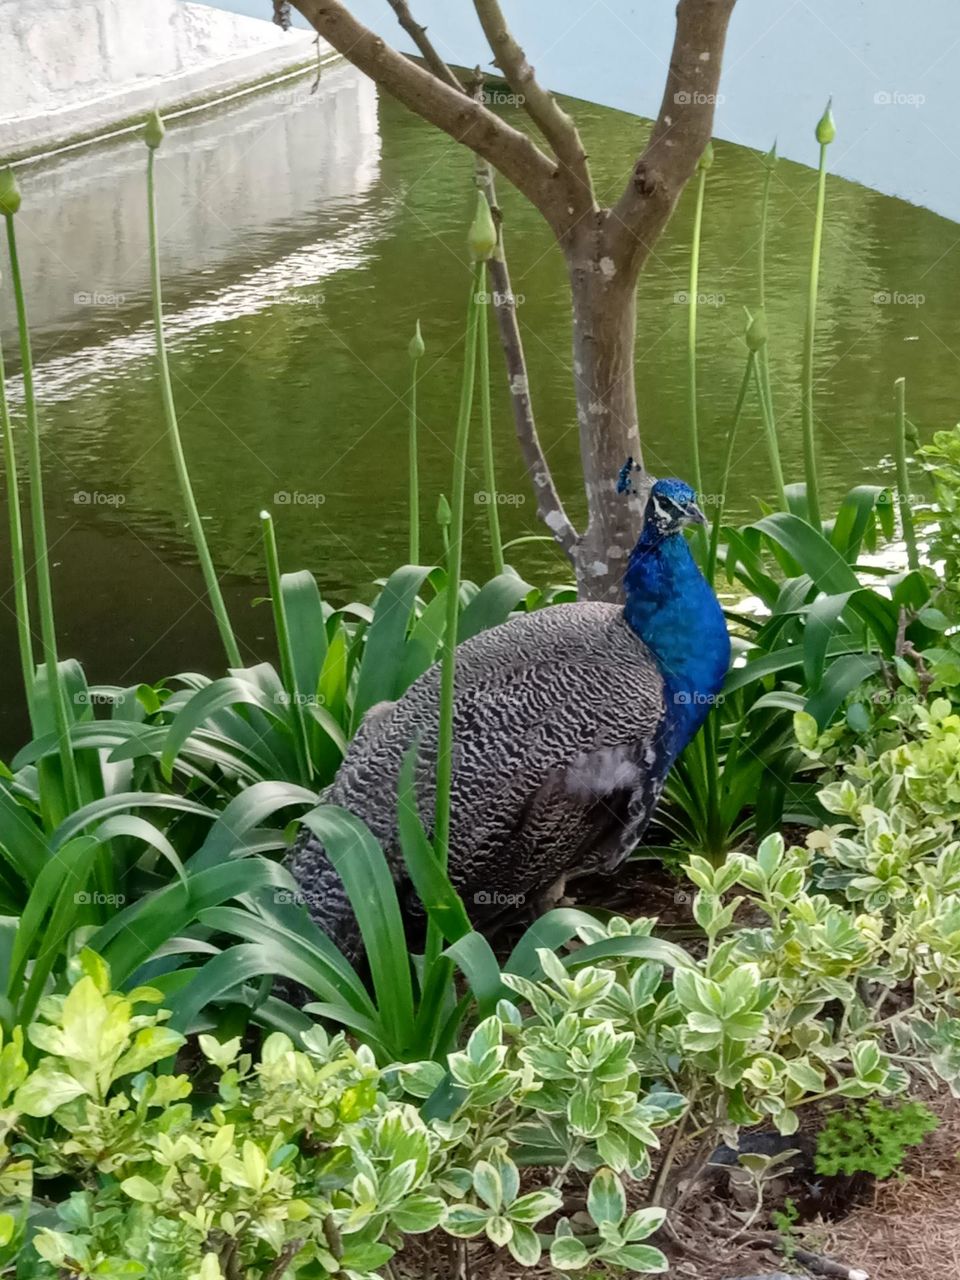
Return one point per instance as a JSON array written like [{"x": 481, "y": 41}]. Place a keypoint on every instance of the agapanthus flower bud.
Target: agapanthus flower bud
[
  {"x": 153, "y": 130},
  {"x": 416, "y": 346},
  {"x": 482, "y": 238},
  {"x": 826, "y": 126},
  {"x": 9, "y": 192},
  {"x": 756, "y": 335}
]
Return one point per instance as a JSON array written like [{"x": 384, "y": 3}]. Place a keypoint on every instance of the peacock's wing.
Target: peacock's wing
[{"x": 572, "y": 787}]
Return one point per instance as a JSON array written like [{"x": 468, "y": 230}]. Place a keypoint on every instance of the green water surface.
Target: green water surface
[{"x": 303, "y": 235}]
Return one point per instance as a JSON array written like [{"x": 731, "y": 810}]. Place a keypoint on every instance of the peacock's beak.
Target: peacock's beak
[{"x": 693, "y": 514}]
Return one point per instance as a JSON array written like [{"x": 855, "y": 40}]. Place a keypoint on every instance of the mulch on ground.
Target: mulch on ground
[{"x": 908, "y": 1230}]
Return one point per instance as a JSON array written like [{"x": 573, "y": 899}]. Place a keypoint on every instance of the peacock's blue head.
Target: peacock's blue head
[{"x": 672, "y": 505}]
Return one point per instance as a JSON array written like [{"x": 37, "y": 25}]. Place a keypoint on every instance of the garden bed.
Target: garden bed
[{"x": 904, "y": 1228}]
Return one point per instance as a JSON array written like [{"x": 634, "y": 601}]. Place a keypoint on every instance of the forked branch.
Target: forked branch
[
  {"x": 515, "y": 155},
  {"x": 550, "y": 509},
  {"x": 680, "y": 133},
  {"x": 543, "y": 109}
]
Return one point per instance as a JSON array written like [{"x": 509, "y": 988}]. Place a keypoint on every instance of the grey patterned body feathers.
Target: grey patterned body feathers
[{"x": 559, "y": 760}]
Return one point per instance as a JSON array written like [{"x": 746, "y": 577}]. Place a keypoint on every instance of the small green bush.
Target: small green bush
[
  {"x": 941, "y": 460},
  {"x": 310, "y": 1162},
  {"x": 872, "y": 1137}
]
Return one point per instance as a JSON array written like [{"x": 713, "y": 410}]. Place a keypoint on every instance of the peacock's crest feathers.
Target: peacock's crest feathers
[
  {"x": 666, "y": 494},
  {"x": 624, "y": 482}
]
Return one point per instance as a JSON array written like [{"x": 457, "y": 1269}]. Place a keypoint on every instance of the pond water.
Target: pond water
[{"x": 303, "y": 235}]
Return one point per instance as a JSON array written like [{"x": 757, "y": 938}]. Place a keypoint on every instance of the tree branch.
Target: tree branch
[
  {"x": 284, "y": 1258},
  {"x": 543, "y": 109},
  {"x": 418, "y": 34},
  {"x": 550, "y": 509},
  {"x": 680, "y": 133},
  {"x": 515, "y": 155}
]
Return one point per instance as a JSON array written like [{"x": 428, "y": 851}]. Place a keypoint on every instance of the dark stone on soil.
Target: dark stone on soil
[
  {"x": 813, "y": 1195},
  {"x": 766, "y": 1143}
]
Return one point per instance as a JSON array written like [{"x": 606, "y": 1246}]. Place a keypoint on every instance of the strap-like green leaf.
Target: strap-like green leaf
[{"x": 360, "y": 863}]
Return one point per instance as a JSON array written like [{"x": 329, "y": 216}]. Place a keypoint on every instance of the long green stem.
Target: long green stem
[
  {"x": 454, "y": 565},
  {"x": 765, "y": 397},
  {"x": 179, "y": 460},
  {"x": 709, "y": 743},
  {"x": 414, "y": 497},
  {"x": 764, "y": 387},
  {"x": 48, "y": 631},
  {"x": 809, "y": 336},
  {"x": 287, "y": 666},
  {"x": 764, "y": 210},
  {"x": 18, "y": 558},
  {"x": 748, "y": 373},
  {"x": 692, "y": 332},
  {"x": 903, "y": 476},
  {"x": 451, "y": 528},
  {"x": 486, "y": 422}
]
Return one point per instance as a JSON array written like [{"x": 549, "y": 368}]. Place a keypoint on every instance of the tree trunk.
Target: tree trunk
[{"x": 604, "y": 329}]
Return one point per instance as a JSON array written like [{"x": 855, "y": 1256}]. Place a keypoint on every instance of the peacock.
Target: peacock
[{"x": 566, "y": 723}]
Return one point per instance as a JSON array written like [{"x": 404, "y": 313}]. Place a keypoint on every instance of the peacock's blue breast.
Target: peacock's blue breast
[{"x": 673, "y": 609}]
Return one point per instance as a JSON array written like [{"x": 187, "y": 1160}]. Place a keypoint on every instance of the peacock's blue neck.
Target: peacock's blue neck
[{"x": 672, "y": 608}]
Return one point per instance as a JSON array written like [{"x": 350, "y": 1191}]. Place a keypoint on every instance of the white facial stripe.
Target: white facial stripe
[{"x": 664, "y": 513}]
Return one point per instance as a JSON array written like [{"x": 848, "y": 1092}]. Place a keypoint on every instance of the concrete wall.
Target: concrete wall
[
  {"x": 250, "y": 208},
  {"x": 71, "y": 68}
]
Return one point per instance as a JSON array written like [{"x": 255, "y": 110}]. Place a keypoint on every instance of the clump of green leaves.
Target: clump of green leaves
[
  {"x": 499, "y": 1211},
  {"x": 757, "y": 1038},
  {"x": 561, "y": 1086},
  {"x": 292, "y": 1162},
  {"x": 754, "y": 1173},
  {"x": 310, "y": 1161},
  {"x": 785, "y": 1221},
  {"x": 941, "y": 460},
  {"x": 871, "y": 1137},
  {"x": 619, "y": 1235}
]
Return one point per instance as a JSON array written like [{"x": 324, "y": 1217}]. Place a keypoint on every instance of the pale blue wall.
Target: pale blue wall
[{"x": 784, "y": 58}]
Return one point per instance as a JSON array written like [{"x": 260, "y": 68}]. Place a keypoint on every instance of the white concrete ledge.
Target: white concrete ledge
[{"x": 73, "y": 70}]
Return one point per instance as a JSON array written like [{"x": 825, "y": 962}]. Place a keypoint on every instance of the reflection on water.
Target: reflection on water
[{"x": 303, "y": 235}]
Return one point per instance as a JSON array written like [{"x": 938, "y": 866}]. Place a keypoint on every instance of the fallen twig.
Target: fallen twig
[
  {"x": 814, "y": 1262},
  {"x": 671, "y": 1232},
  {"x": 821, "y": 1266}
]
